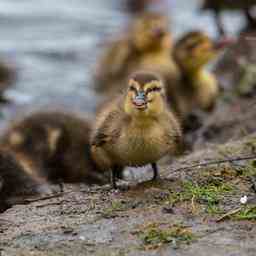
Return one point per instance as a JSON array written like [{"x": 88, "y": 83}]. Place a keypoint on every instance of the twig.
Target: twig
[
  {"x": 28, "y": 201},
  {"x": 214, "y": 162},
  {"x": 49, "y": 204},
  {"x": 228, "y": 214}
]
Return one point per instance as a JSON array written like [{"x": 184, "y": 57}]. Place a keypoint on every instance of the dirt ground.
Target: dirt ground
[{"x": 204, "y": 203}]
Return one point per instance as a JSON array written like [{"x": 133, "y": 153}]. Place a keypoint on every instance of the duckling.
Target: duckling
[
  {"x": 198, "y": 88},
  {"x": 136, "y": 128},
  {"x": 218, "y": 5},
  {"x": 16, "y": 180},
  {"x": 147, "y": 46},
  {"x": 57, "y": 143}
]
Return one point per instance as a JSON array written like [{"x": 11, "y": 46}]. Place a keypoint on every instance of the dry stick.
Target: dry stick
[
  {"x": 28, "y": 201},
  {"x": 228, "y": 214},
  {"x": 207, "y": 163}
]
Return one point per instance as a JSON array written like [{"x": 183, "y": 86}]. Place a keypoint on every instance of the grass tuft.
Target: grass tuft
[{"x": 155, "y": 235}]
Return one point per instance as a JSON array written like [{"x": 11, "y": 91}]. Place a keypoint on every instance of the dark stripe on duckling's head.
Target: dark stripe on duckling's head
[
  {"x": 143, "y": 78},
  {"x": 192, "y": 40}
]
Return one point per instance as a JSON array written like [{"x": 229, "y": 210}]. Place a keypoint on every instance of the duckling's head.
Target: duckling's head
[
  {"x": 145, "y": 96},
  {"x": 150, "y": 32},
  {"x": 35, "y": 139},
  {"x": 194, "y": 50}
]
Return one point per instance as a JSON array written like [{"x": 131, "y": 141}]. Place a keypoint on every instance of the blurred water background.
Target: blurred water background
[{"x": 55, "y": 44}]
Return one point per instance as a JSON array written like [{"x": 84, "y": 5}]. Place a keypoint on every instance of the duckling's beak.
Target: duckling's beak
[{"x": 140, "y": 100}]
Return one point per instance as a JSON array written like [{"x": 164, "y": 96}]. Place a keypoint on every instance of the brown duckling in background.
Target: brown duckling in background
[
  {"x": 56, "y": 145},
  {"x": 198, "y": 87},
  {"x": 219, "y": 5},
  {"x": 17, "y": 181},
  {"x": 147, "y": 46},
  {"x": 136, "y": 129}
]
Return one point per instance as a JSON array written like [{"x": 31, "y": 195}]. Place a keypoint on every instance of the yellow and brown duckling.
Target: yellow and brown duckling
[
  {"x": 219, "y": 5},
  {"x": 198, "y": 88},
  {"x": 56, "y": 145},
  {"x": 147, "y": 46},
  {"x": 136, "y": 129}
]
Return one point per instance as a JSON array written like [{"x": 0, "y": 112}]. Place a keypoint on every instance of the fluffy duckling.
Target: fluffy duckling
[
  {"x": 198, "y": 87},
  {"x": 147, "y": 46},
  {"x": 56, "y": 145},
  {"x": 218, "y": 5},
  {"x": 16, "y": 180},
  {"x": 136, "y": 129}
]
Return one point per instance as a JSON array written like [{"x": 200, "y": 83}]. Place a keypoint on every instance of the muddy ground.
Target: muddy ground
[{"x": 194, "y": 209}]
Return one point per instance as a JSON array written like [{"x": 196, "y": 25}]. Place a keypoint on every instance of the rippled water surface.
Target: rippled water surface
[{"x": 55, "y": 44}]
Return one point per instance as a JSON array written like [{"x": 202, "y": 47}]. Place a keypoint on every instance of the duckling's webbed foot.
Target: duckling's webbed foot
[
  {"x": 116, "y": 171},
  {"x": 155, "y": 170}
]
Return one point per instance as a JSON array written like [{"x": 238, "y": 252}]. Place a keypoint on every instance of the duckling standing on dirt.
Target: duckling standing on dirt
[
  {"x": 54, "y": 145},
  {"x": 198, "y": 88},
  {"x": 136, "y": 129},
  {"x": 147, "y": 46},
  {"x": 218, "y": 5}
]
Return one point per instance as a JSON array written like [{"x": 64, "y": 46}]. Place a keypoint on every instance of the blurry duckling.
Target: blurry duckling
[
  {"x": 198, "y": 88},
  {"x": 147, "y": 46},
  {"x": 16, "y": 180},
  {"x": 216, "y": 6},
  {"x": 136, "y": 129},
  {"x": 56, "y": 142}
]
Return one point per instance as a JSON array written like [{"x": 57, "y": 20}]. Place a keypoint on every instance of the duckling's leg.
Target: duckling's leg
[
  {"x": 115, "y": 174},
  {"x": 156, "y": 173}
]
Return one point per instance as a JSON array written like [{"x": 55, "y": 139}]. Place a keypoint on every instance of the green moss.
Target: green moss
[
  {"x": 247, "y": 170},
  {"x": 155, "y": 235},
  {"x": 209, "y": 194},
  {"x": 115, "y": 207},
  {"x": 246, "y": 213}
]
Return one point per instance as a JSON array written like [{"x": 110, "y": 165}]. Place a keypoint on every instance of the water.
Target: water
[{"x": 55, "y": 45}]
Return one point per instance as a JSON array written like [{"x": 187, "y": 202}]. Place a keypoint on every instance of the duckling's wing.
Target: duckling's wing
[
  {"x": 100, "y": 139},
  {"x": 174, "y": 136},
  {"x": 108, "y": 130}
]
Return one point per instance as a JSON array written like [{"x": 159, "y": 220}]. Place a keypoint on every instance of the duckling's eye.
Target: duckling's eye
[
  {"x": 154, "y": 89},
  {"x": 132, "y": 88}
]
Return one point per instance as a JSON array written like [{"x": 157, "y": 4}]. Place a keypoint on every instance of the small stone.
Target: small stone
[
  {"x": 82, "y": 238},
  {"x": 168, "y": 210},
  {"x": 243, "y": 200}
]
